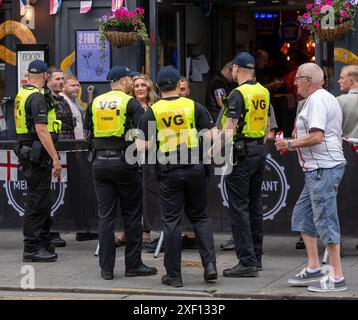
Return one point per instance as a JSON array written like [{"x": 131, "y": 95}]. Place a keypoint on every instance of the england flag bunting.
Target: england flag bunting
[
  {"x": 55, "y": 6},
  {"x": 9, "y": 166},
  {"x": 85, "y": 6},
  {"x": 117, "y": 4}
]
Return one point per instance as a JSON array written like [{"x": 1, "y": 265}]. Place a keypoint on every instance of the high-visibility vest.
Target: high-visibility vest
[
  {"x": 53, "y": 124},
  {"x": 109, "y": 114},
  {"x": 175, "y": 123},
  {"x": 257, "y": 102}
]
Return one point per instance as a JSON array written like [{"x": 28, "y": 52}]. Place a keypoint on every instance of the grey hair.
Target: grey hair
[
  {"x": 314, "y": 71},
  {"x": 352, "y": 71}
]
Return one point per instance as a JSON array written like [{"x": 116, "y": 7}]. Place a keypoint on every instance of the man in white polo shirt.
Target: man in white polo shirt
[{"x": 318, "y": 142}]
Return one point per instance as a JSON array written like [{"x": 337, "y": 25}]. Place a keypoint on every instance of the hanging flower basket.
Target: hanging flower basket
[
  {"x": 339, "y": 12},
  {"x": 336, "y": 34},
  {"x": 121, "y": 39},
  {"x": 122, "y": 28}
]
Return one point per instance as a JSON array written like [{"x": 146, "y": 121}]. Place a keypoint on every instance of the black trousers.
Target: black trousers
[
  {"x": 115, "y": 180},
  {"x": 185, "y": 187},
  {"x": 37, "y": 218},
  {"x": 243, "y": 186}
]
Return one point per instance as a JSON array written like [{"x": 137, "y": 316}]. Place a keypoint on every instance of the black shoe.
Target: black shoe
[
  {"x": 228, "y": 245},
  {"x": 56, "y": 239},
  {"x": 188, "y": 243},
  {"x": 85, "y": 236},
  {"x": 151, "y": 246},
  {"x": 141, "y": 271},
  {"x": 171, "y": 281},
  {"x": 210, "y": 272},
  {"x": 50, "y": 248},
  {"x": 39, "y": 256},
  {"x": 300, "y": 245},
  {"x": 241, "y": 271},
  {"x": 107, "y": 275}
]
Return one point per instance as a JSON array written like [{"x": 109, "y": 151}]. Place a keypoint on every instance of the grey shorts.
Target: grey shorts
[{"x": 315, "y": 212}]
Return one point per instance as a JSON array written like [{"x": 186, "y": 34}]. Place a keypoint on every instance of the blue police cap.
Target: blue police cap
[
  {"x": 168, "y": 75},
  {"x": 118, "y": 72},
  {"x": 37, "y": 66},
  {"x": 244, "y": 60}
]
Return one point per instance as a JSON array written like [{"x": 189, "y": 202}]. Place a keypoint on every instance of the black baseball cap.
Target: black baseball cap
[
  {"x": 37, "y": 66},
  {"x": 244, "y": 60},
  {"x": 168, "y": 75},
  {"x": 118, "y": 72}
]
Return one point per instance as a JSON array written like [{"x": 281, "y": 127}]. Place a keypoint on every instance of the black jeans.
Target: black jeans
[
  {"x": 37, "y": 219},
  {"x": 115, "y": 180},
  {"x": 243, "y": 186},
  {"x": 185, "y": 187}
]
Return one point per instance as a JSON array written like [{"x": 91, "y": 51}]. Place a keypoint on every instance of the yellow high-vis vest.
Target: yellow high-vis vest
[
  {"x": 109, "y": 114},
  {"x": 175, "y": 123},
  {"x": 53, "y": 125},
  {"x": 257, "y": 102}
]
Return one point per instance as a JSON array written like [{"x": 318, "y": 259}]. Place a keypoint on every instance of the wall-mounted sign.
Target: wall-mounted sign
[
  {"x": 92, "y": 63},
  {"x": 25, "y": 53}
]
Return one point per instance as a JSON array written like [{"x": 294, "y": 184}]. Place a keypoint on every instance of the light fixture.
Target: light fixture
[
  {"x": 28, "y": 13},
  {"x": 29, "y": 16}
]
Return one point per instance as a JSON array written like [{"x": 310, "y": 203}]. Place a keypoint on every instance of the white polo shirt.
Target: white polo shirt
[
  {"x": 321, "y": 111},
  {"x": 79, "y": 134}
]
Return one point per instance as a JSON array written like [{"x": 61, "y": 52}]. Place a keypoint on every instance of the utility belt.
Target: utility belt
[
  {"x": 240, "y": 147},
  {"x": 34, "y": 154},
  {"x": 110, "y": 155}
]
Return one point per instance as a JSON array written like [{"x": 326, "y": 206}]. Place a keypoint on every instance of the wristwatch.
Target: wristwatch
[{"x": 289, "y": 144}]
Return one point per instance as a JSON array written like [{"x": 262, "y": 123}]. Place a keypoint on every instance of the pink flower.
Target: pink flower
[
  {"x": 316, "y": 11},
  {"x": 340, "y": 20},
  {"x": 309, "y": 6},
  {"x": 316, "y": 24},
  {"x": 306, "y": 15},
  {"x": 347, "y": 4},
  {"x": 343, "y": 13},
  {"x": 324, "y": 8},
  {"x": 328, "y": 2},
  {"x": 135, "y": 21}
]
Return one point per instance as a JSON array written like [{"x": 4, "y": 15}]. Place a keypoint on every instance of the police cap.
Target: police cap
[
  {"x": 244, "y": 60},
  {"x": 37, "y": 66}
]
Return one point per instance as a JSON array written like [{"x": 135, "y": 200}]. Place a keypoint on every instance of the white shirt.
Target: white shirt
[
  {"x": 321, "y": 111},
  {"x": 79, "y": 135}
]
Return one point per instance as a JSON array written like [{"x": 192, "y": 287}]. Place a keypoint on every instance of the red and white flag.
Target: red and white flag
[
  {"x": 55, "y": 6},
  {"x": 8, "y": 165},
  {"x": 85, "y": 6},
  {"x": 63, "y": 177},
  {"x": 2, "y": 119},
  {"x": 117, "y": 4}
]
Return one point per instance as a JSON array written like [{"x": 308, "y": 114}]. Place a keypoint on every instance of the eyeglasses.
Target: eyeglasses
[{"x": 300, "y": 77}]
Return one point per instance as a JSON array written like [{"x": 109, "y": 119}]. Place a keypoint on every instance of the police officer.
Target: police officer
[
  {"x": 107, "y": 121},
  {"x": 246, "y": 114},
  {"x": 37, "y": 132},
  {"x": 176, "y": 122}
]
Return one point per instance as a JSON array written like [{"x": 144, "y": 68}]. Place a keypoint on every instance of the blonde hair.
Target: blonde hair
[
  {"x": 69, "y": 76},
  {"x": 152, "y": 97}
]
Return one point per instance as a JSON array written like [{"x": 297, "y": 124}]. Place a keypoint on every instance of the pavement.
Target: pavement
[{"x": 77, "y": 271}]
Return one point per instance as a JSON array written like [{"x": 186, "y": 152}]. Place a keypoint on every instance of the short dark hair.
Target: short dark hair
[
  {"x": 165, "y": 87},
  {"x": 53, "y": 69}
]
